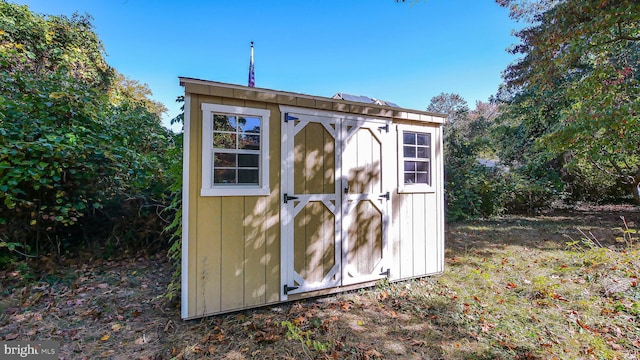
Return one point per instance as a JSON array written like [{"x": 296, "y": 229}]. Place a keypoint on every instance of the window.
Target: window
[
  {"x": 415, "y": 158},
  {"x": 235, "y": 151}
]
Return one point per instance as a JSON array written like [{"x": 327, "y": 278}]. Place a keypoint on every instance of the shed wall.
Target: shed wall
[{"x": 234, "y": 241}]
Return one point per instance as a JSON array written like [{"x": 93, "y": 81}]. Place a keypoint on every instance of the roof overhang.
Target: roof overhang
[{"x": 214, "y": 88}]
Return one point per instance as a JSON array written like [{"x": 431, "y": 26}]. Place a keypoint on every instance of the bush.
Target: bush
[{"x": 82, "y": 152}]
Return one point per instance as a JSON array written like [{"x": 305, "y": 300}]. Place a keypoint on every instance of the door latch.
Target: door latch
[
  {"x": 346, "y": 189},
  {"x": 287, "y": 198}
]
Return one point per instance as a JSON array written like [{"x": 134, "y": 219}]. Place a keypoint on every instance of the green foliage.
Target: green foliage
[
  {"x": 77, "y": 140},
  {"x": 576, "y": 89},
  {"x": 304, "y": 337},
  {"x": 174, "y": 229},
  {"x": 472, "y": 188}
]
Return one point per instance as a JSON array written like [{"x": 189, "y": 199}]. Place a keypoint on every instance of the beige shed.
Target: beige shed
[{"x": 288, "y": 196}]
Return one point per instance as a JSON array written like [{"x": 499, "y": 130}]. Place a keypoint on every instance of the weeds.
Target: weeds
[{"x": 304, "y": 337}]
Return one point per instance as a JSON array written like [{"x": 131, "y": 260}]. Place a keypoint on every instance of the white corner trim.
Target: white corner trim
[{"x": 186, "y": 138}]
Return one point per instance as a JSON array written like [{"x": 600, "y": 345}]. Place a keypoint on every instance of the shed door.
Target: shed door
[
  {"x": 334, "y": 216},
  {"x": 365, "y": 203},
  {"x": 311, "y": 214}
]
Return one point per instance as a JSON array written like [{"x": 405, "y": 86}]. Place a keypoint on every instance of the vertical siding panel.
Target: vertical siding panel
[
  {"x": 369, "y": 212},
  {"x": 208, "y": 259},
  {"x": 315, "y": 241},
  {"x": 272, "y": 221},
  {"x": 419, "y": 234},
  {"x": 431, "y": 226},
  {"x": 329, "y": 187},
  {"x": 376, "y": 189},
  {"x": 394, "y": 235},
  {"x": 406, "y": 236},
  {"x": 232, "y": 270},
  {"x": 233, "y": 102},
  {"x": 195, "y": 176},
  {"x": 254, "y": 250},
  {"x": 314, "y": 179}
]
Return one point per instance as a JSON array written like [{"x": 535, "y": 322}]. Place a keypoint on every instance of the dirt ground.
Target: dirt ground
[{"x": 114, "y": 309}]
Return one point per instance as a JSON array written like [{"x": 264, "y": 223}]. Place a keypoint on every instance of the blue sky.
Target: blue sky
[{"x": 403, "y": 53}]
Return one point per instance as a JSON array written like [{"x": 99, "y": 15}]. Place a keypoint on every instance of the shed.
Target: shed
[{"x": 288, "y": 196}]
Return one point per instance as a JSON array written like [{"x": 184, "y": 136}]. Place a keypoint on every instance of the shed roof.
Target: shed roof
[
  {"x": 364, "y": 99},
  {"x": 214, "y": 88}
]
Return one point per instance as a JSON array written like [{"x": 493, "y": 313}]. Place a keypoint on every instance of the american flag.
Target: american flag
[{"x": 252, "y": 75}]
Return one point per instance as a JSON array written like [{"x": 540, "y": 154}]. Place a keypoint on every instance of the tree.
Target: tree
[
  {"x": 472, "y": 189},
  {"x": 76, "y": 138},
  {"x": 580, "y": 79}
]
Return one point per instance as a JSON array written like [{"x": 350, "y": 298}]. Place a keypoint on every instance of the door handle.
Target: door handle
[{"x": 346, "y": 189}]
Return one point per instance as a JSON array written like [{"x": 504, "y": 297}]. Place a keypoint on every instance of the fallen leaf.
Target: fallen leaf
[
  {"x": 511, "y": 286},
  {"x": 103, "y": 286},
  {"x": 116, "y": 327},
  {"x": 105, "y": 337},
  {"x": 11, "y": 337},
  {"x": 373, "y": 353}
]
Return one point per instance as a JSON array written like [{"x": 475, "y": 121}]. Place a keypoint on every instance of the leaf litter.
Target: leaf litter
[{"x": 512, "y": 288}]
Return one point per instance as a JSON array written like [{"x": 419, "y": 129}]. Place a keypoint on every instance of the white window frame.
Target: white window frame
[
  {"x": 208, "y": 187},
  {"x": 415, "y": 188}
]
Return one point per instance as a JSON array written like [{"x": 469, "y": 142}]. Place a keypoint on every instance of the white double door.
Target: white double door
[{"x": 335, "y": 202}]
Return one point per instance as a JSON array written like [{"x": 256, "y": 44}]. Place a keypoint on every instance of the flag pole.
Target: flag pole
[{"x": 252, "y": 75}]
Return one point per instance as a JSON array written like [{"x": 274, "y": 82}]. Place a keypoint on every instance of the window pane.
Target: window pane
[
  {"x": 409, "y": 166},
  {"x": 224, "y": 160},
  {"x": 409, "y": 138},
  {"x": 249, "y": 142},
  {"x": 422, "y": 178},
  {"x": 409, "y": 151},
  {"x": 250, "y": 124},
  {"x": 248, "y": 160},
  {"x": 224, "y": 140},
  {"x": 224, "y": 176},
  {"x": 423, "y": 153},
  {"x": 247, "y": 176},
  {"x": 422, "y": 166},
  {"x": 224, "y": 123},
  {"x": 423, "y": 139},
  {"x": 409, "y": 178}
]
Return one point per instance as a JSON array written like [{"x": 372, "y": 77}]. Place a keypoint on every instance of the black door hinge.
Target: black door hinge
[
  {"x": 287, "y": 198},
  {"x": 385, "y": 195},
  {"x": 385, "y": 128},
  {"x": 288, "y": 117},
  {"x": 288, "y": 288},
  {"x": 386, "y": 273}
]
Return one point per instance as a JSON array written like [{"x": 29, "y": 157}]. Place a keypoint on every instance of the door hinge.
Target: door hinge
[
  {"x": 386, "y": 273},
  {"x": 288, "y": 117},
  {"x": 385, "y": 128},
  {"x": 288, "y": 288},
  {"x": 385, "y": 195},
  {"x": 287, "y": 198}
]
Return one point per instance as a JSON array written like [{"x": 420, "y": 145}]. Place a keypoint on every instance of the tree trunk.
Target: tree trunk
[{"x": 635, "y": 187}]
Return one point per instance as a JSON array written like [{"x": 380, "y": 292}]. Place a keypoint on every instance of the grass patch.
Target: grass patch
[{"x": 513, "y": 288}]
